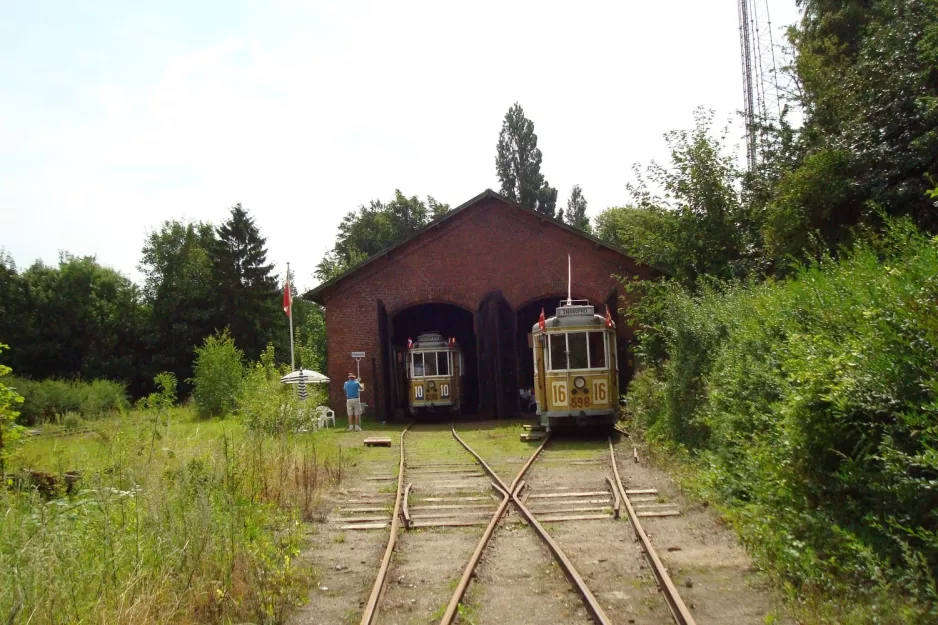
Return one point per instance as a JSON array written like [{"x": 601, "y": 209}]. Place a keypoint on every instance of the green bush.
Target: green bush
[
  {"x": 44, "y": 399},
  {"x": 218, "y": 375},
  {"x": 810, "y": 406},
  {"x": 265, "y": 405}
]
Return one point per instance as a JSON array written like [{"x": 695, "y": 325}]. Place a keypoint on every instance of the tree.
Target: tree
[
  {"x": 575, "y": 214},
  {"x": 180, "y": 291},
  {"x": 78, "y": 319},
  {"x": 700, "y": 225},
  {"x": 866, "y": 73},
  {"x": 248, "y": 292},
  {"x": 9, "y": 430},
  {"x": 218, "y": 374},
  {"x": 518, "y": 165},
  {"x": 375, "y": 227},
  {"x": 648, "y": 233}
]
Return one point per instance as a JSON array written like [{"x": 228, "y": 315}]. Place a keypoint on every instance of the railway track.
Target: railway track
[{"x": 453, "y": 494}]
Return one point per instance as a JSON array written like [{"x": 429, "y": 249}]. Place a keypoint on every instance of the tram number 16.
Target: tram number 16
[{"x": 559, "y": 394}]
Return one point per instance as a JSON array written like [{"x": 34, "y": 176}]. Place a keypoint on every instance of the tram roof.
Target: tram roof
[{"x": 317, "y": 294}]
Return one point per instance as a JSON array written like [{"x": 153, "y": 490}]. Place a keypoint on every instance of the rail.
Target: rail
[
  {"x": 592, "y": 605},
  {"x": 679, "y": 610},
  {"x": 372, "y": 605}
]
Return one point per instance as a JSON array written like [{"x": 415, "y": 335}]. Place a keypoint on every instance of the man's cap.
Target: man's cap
[{"x": 351, "y": 375}]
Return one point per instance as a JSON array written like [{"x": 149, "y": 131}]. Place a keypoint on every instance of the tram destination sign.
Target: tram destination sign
[
  {"x": 358, "y": 354},
  {"x": 566, "y": 311}
]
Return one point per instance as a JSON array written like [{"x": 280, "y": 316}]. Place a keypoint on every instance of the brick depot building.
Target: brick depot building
[{"x": 480, "y": 274}]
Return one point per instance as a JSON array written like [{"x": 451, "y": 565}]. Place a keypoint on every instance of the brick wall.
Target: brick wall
[{"x": 489, "y": 246}]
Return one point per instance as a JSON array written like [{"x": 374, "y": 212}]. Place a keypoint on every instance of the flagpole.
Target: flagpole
[
  {"x": 569, "y": 281},
  {"x": 290, "y": 317}
]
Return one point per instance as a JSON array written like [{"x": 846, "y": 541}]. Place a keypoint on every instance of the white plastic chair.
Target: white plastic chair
[{"x": 324, "y": 415}]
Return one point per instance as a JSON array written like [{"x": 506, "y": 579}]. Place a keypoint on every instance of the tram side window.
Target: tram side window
[
  {"x": 558, "y": 351},
  {"x": 417, "y": 371},
  {"x": 442, "y": 363},
  {"x": 578, "y": 354},
  {"x": 597, "y": 342},
  {"x": 429, "y": 363}
]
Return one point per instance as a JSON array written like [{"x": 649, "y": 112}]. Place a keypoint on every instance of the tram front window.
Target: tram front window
[
  {"x": 417, "y": 370},
  {"x": 597, "y": 343},
  {"x": 558, "y": 351},
  {"x": 578, "y": 354},
  {"x": 429, "y": 363},
  {"x": 442, "y": 363}
]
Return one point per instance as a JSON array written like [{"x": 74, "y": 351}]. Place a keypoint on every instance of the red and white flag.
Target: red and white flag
[
  {"x": 288, "y": 299},
  {"x": 452, "y": 342},
  {"x": 609, "y": 321},
  {"x": 410, "y": 343},
  {"x": 542, "y": 322}
]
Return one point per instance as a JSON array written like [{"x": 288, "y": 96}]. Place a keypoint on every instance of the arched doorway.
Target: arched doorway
[{"x": 450, "y": 321}]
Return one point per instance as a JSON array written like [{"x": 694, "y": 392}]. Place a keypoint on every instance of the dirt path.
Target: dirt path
[
  {"x": 603, "y": 550},
  {"x": 517, "y": 580},
  {"x": 705, "y": 560}
]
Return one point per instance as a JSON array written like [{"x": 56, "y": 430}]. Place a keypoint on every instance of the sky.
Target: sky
[{"x": 117, "y": 116}]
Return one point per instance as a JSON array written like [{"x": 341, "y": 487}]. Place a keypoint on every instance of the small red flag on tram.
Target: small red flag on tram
[
  {"x": 609, "y": 321},
  {"x": 541, "y": 322},
  {"x": 287, "y": 298},
  {"x": 452, "y": 342},
  {"x": 410, "y": 342}
]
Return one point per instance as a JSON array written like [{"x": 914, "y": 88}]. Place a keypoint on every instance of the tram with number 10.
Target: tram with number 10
[
  {"x": 576, "y": 376},
  {"x": 434, "y": 374}
]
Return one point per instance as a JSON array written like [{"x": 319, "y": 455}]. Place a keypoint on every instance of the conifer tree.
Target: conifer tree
[
  {"x": 248, "y": 291},
  {"x": 518, "y": 165}
]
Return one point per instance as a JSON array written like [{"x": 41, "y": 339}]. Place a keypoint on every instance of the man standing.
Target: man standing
[{"x": 353, "y": 404}]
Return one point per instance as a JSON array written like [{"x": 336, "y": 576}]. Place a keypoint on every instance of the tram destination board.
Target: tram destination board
[
  {"x": 358, "y": 354},
  {"x": 564, "y": 311}
]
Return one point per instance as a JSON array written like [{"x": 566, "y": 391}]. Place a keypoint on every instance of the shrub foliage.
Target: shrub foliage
[
  {"x": 811, "y": 404},
  {"x": 218, "y": 375}
]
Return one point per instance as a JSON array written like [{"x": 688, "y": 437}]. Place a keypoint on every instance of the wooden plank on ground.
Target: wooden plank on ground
[
  {"x": 446, "y": 523},
  {"x": 642, "y": 491},
  {"x": 575, "y": 517},
  {"x": 364, "y": 526},
  {"x": 659, "y": 514},
  {"x": 452, "y": 514},
  {"x": 381, "y": 478},
  {"x": 577, "y": 509},
  {"x": 361, "y": 510},
  {"x": 377, "y": 441},
  {"x": 646, "y": 506},
  {"x": 457, "y": 506},
  {"x": 364, "y": 519},
  {"x": 454, "y": 498},
  {"x": 593, "y": 493},
  {"x": 441, "y": 471}
]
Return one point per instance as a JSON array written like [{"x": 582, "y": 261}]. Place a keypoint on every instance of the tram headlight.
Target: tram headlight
[
  {"x": 579, "y": 382},
  {"x": 431, "y": 384}
]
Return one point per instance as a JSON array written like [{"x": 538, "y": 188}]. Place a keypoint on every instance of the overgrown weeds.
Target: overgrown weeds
[
  {"x": 809, "y": 408},
  {"x": 49, "y": 400},
  {"x": 163, "y": 528}
]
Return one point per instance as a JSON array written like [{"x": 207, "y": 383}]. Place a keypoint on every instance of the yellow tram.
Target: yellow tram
[
  {"x": 434, "y": 374},
  {"x": 576, "y": 374}
]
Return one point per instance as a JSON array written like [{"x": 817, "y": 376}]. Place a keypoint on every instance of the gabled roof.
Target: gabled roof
[{"x": 317, "y": 293}]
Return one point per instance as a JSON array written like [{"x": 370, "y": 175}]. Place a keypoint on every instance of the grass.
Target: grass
[{"x": 173, "y": 520}]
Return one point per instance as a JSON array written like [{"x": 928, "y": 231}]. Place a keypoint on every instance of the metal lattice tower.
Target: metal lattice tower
[{"x": 762, "y": 103}]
